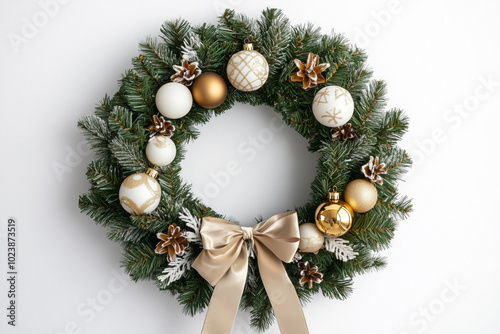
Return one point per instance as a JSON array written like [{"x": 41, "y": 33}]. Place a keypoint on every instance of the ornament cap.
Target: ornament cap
[
  {"x": 152, "y": 172},
  {"x": 248, "y": 46},
  {"x": 333, "y": 196}
]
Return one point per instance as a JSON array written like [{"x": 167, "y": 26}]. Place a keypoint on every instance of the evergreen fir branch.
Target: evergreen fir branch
[
  {"x": 369, "y": 109},
  {"x": 392, "y": 129},
  {"x": 104, "y": 178},
  {"x": 122, "y": 231},
  {"x": 364, "y": 262},
  {"x": 397, "y": 164},
  {"x": 397, "y": 161},
  {"x": 335, "y": 287},
  {"x": 149, "y": 222},
  {"x": 141, "y": 262},
  {"x": 274, "y": 31},
  {"x": 262, "y": 314},
  {"x": 97, "y": 134},
  {"x": 374, "y": 231},
  {"x": 100, "y": 209},
  {"x": 144, "y": 68},
  {"x": 304, "y": 40},
  {"x": 211, "y": 55},
  {"x": 121, "y": 122},
  {"x": 196, "y": 293},
  {"x": 158, "y": 56},
  {"x": 129, "y": 155},
  {"x": 138, "y": 93},
  {"x": 104, "y": 108},
  {"x": 399, "y": 207},
  {"x": 358, "y": 77},
  {"x": 227, "y": 30},
  {"x": 175, "y": 33}
]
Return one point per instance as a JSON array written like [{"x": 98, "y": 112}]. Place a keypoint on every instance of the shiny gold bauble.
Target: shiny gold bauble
[
  {"x": 361, "y": 195},
  {"x": 334, "y": 217},
  {"x": 209, "y": 90}
]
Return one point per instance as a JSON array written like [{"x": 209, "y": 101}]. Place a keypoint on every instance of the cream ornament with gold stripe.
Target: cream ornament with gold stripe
[
  {"x": 247, "y": 70},
  {"x": 140, "y": 193}
]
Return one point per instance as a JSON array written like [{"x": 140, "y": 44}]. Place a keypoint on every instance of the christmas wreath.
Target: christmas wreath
[{"x": 322, "y": 88}]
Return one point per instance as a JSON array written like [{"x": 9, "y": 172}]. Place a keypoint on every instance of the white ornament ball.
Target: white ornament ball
[
  {"x": 247, "y": 70},
  {"x": 161, "y": 150},
  {"x": 174, "y": 100},
  {"x": 311, "y": 239},
  {"x": 140, "y": 193},
  {"x": 333, "y": 106}
]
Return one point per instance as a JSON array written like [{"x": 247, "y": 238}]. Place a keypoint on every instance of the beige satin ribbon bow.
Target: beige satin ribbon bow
[{"x": 224, "y": 264}]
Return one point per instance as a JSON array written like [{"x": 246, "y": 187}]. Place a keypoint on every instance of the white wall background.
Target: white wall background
[{"x": 437, "y": 58}]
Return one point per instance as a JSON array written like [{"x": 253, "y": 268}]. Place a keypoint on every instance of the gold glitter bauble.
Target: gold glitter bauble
[
  {"x": 209, "y": 90},
  {"x": 361, "y": 195},
  {"x": 334, "y": 217}
]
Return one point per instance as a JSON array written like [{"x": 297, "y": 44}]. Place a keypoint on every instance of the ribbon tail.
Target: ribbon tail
[
  {"x": 281, "y": 292},
  {"x": 226, "y": 297}
]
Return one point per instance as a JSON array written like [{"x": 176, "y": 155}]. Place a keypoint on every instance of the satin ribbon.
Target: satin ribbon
[{"x": 224, "y": 264}]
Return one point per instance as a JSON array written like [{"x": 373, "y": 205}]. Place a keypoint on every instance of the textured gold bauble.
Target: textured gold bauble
[
  {"x": 334, "y": 217},
  {"x": 209, "y": 90},
  {"x": 361, "y": 195}
]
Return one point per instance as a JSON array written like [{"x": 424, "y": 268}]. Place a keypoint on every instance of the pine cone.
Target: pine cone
[
  {"x": 373, "y": 169},
  {"x": 310, "y": 73},
  {"x": 297, "y": 257},
  {"x": 161, "y": 127},
  {"x": 173, "y": 242},
  {"x": 186, "y": 73},
  {"x": 310, "y": 274},
  {"x": 344, "y": 133}
]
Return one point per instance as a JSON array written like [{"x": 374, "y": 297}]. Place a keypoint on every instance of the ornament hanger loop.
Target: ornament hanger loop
[{"x": 334, "y": 188}]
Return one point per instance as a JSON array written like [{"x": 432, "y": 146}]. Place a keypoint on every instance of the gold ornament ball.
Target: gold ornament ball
[
  {"x": 334, "y": 217},
  {"x": 311, "y": 239},
  {"x": 361, "y": 195},
  {"x": 209, "y": 90}
]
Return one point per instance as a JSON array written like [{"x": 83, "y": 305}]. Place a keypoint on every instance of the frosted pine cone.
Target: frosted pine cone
[
  {"x": 373, "y": 169},
  {"x": 310, "y": 274},
  {"x": 161, "y": 127},
  {"x": 186, "y": 73},
  {"x": 310, "y": 73},
  {"x": 173, "y": 242},
  {"x": 344, "y": 133}
]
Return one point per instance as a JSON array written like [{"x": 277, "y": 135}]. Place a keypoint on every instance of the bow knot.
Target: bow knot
[
  {"x": 247, "y": 233},
  {"x": 224, "y": 264}
]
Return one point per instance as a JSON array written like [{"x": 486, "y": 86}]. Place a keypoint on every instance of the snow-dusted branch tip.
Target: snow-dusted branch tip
[{"x": 340, "y": 248}]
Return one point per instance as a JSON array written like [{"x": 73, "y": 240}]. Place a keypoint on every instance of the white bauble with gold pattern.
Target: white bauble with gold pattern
[
  {"x": 140, "y": 193},
  {"x": 160, "y": 151},
  {"x": 247, "y": 70},
  {"x": 311, "y": 238},
  {"x": 333, "y": 106}
]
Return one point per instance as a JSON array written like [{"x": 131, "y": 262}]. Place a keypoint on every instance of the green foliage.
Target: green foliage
[{"x": 118, "y": 136}]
